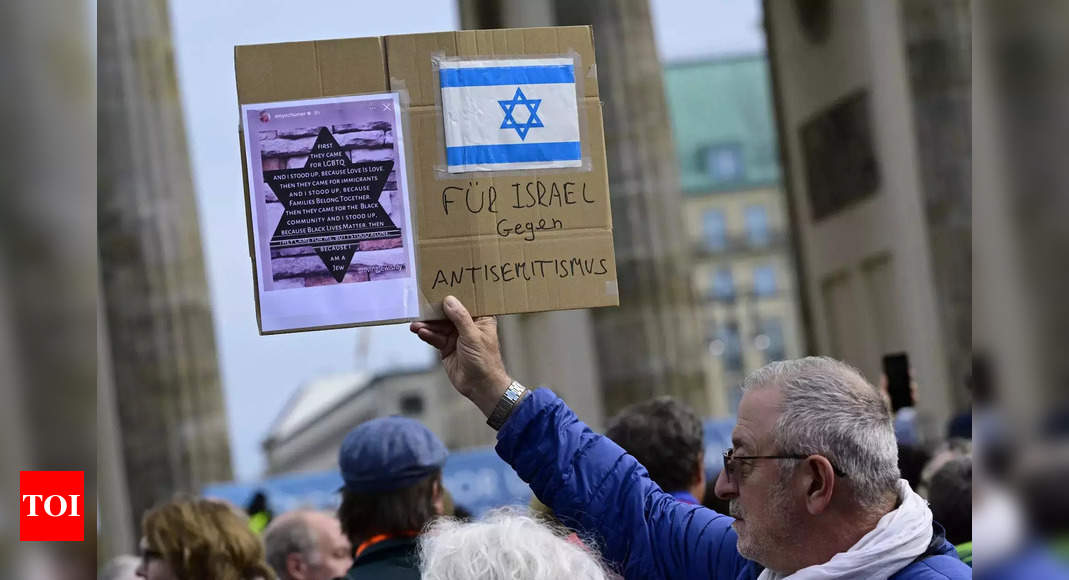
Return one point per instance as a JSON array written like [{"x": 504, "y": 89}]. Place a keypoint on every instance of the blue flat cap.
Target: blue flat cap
[{"x": 389, "y": 453}]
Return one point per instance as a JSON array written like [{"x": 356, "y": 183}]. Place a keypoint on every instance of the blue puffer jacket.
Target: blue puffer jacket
[{"x": 595, "y": 486}]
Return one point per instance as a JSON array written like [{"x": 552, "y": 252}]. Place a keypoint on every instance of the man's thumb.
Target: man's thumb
[{"x": 459, "y": 316}]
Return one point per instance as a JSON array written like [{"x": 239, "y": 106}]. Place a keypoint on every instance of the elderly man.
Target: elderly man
[
  {"x": 812, "y": 478},
  {"x": 307, "y": 545}
]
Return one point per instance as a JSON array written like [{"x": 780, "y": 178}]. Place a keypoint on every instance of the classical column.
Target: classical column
[
  {"x": 938, "y": 52},
  {"x": 162, "y": 345},
  {"x": 651, "y": 343}
]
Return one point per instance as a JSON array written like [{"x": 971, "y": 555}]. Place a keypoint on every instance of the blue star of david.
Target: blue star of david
[{"x": 532, "y": 107}]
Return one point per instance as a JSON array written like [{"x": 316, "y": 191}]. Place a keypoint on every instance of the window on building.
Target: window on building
[
  {"x": 723, "y": 162},
  {"x": 764, "y": 281},
  {"x": 770, "y": 340},
  {"x": 411, "y": 404},
  {"x": 715, "y": 343},
  {"x": 723, "y": 284},
  {"x": 756, "y": 218},
  {"x": 714, "y": 232},
  {"x": 732, "y": 355}
]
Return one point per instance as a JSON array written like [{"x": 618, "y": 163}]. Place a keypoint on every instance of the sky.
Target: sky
[
  {"x": 260, "y": 373},
  {"x": 693, "y": 29}
]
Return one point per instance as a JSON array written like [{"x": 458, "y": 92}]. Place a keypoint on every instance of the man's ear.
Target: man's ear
[
  {"x": 438, "y": 497},
  {"x": 818, "y": 479},
  {"x": 296, "y": 566},
  {"x": 698, "y": 478}
]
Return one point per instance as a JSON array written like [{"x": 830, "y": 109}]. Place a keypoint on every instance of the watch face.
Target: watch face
[{"x": 505, "y": 405}]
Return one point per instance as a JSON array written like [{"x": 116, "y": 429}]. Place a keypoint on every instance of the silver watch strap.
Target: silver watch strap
[{"x": 512, "y": 396}]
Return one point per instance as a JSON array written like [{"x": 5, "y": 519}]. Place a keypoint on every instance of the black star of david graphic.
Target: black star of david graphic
[
  {"x": 532, "y": 107},
  {"x": 331, "y": 204}
]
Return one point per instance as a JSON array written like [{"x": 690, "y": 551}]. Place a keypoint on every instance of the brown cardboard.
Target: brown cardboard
[
  {"x": 409, "y": 55},
  {"x": 306, "y": 70},
  {"x": 462, "y": 247},
  {"x": 492, "y": 276},
  {"x": 456, "y": 225},
  {"x": 466, "y": 194}
]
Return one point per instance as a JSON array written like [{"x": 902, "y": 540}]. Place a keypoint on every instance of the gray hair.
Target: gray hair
[
  {"x": 829, "y": 409},
  {"x": 504, "y": 544},
  {"x": 290, "y": 534}
]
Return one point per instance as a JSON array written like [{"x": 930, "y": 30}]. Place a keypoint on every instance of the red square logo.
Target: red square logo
[{"x": 51, "y": 506}]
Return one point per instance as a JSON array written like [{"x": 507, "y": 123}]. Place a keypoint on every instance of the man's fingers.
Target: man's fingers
[
  {"x": 435, "y": 339},
  {"x": 459, "y": 316},
  {"x": 450, "y": 345},
  {"x": 439, "y": 326}
]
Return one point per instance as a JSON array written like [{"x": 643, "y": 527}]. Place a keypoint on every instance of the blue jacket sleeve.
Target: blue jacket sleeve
[{"x": 592, "y": 483}]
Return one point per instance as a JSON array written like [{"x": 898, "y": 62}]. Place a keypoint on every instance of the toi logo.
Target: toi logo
[{"x": 51, "y": 506}]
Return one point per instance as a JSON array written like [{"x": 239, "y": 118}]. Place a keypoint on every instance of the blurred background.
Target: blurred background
[{"x": 788, "y": 177}]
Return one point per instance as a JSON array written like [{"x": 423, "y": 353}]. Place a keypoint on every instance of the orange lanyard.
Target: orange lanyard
[{"x": 379, "y": 538}]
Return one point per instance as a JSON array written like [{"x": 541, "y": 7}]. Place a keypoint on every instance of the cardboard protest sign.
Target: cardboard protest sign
[{"x": 498, "y": 192}]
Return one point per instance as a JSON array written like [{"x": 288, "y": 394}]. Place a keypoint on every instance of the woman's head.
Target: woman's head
[
  {"x": 504, "y": 544},
  {"x": 189, "y": 538}
]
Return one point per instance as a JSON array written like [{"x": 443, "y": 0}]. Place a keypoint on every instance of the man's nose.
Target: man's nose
[{"x": 725, "y": 488}]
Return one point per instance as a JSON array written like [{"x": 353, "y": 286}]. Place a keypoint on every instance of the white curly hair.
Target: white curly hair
[{"x": 504, "y": 545}]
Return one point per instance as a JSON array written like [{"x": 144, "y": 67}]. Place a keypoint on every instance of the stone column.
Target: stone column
[
  {"x": 162, "y": 342},
  {"x": 651, "y": 343},
  {"x": 938, "y": 37}
]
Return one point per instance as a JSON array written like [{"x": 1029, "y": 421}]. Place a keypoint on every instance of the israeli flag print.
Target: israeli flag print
[{"x": 510, "y": 114}]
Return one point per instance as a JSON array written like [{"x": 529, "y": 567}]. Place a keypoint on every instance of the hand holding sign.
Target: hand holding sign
[{"x": 471, "y": 353}]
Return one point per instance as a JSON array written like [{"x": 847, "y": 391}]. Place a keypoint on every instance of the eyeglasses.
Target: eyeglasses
[{"x": 730, "y": 457}]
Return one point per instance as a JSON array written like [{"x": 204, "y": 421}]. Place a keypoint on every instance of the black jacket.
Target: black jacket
[{"x": 393, "y": 559}]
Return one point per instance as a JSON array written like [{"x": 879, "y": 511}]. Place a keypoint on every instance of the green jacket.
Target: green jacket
[
  {"x": 965, "y": 552},
  {"x": 393, "y": 559}
]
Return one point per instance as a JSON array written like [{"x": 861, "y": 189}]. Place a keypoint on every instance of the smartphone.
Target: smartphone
[{"x": 896, "y": 367}]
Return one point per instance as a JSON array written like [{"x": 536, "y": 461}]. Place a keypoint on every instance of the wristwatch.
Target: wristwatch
[{"x": 512, "y": 397}]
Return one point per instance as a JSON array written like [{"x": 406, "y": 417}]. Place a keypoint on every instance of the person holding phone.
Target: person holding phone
[{"x": 900, "y": 388}]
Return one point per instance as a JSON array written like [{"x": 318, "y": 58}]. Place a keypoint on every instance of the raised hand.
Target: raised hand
[{"x": 470, "y": 353}]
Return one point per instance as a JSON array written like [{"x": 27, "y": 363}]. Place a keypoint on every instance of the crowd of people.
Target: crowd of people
[{"x": 814, "y": 486}]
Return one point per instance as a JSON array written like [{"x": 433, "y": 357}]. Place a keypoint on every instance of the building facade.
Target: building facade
[
  {"x": 308, "y": 432},
  {"x": 873, "y": 105},
  {"x": 736, "y": 219}
]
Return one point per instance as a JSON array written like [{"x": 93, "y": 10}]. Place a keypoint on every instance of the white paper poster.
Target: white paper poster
[{"x": 331, "y": 221}]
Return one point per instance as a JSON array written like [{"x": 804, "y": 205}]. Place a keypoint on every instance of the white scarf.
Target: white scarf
[{"x": 900, "y": 536}]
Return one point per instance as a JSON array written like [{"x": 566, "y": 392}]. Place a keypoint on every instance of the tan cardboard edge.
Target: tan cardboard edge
[{"x": 248, "y": 228}]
